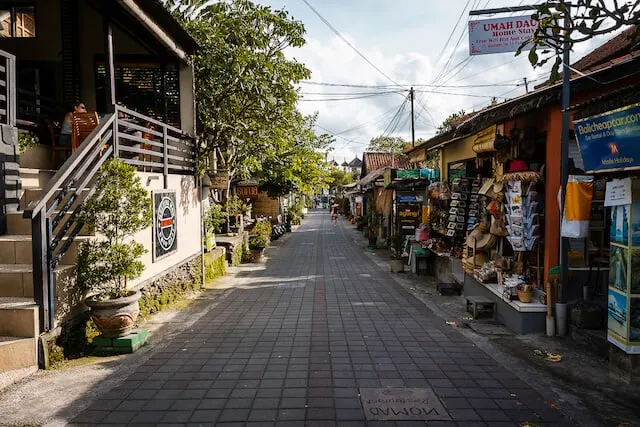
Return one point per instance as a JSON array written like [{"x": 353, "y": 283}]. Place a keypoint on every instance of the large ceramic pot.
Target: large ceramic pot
[
  {"x": 396, "y": 265},
  {"x": 115, "y": 317},
  {"x": 373, "y": 241}
]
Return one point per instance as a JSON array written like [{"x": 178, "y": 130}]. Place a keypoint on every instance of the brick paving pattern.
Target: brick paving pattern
[{"x": 294, "y": 347}]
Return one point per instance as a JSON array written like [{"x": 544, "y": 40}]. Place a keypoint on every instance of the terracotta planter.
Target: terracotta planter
[
  {"x": 396, "y": 265},
  {"x": 115, "y": 317}
]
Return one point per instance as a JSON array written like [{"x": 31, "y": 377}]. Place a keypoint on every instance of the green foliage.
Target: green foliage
[
  {"x": 261, "y": 235},
  {"x": 299, "y": 168},
  {"x": 258, "y": 242},
  {"x": 245, "y": 85},
  {"x": 396, "y": 244},
  {"x": 119, "y": 208},
  {"x": 339, "y": 178},
  {"x": 451, "y": 122},
  {"x": 238, "y": 255},
  {"x": 585, "y": 19},
  {"x": 215, "y": 218},
  {"x": 235, "y": 206},
  {"x": 387, "y": 144},
  {"x": 263, "y": 228},
  {"x": 295, "y": 213},
  {"x": 214, "y": 267},
  {"x": 26, "y": 140}
]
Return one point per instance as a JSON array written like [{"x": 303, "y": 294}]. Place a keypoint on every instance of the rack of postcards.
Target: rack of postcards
[
  {"x": 522, "y": 215},
  {"x": 459, "y": 208}
]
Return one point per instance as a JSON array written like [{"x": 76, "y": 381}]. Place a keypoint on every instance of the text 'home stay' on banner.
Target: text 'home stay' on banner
[{"x": 500, "y": 35}]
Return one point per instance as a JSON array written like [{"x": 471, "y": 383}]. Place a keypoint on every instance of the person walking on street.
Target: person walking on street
[{"x": 334, "y": 215}]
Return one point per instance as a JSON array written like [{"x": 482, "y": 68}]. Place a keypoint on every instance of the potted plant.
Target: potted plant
[
  {"x": 259, "y": 240},
  {"x": 396, "y": 245},
  {"x": 119, "y": 208},
  {"x": 213, "y": 220}
]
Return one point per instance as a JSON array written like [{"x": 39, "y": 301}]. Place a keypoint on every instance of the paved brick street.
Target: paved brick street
[{"x": 321, "y": 323}]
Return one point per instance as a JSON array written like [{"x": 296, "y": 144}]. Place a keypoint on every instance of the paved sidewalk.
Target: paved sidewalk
[{"x": 298, "y": 342}]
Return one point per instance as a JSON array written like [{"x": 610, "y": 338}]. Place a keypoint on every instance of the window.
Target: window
[{"x": 18, "y": 22}]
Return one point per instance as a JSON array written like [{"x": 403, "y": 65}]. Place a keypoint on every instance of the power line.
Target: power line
[
  {"x": 396, "y": 117},
  {"x": 377, "y": 119},
  {"x": 328, "y": 24},
  {"x": 349, "y": 85},
  {"x": 352, "y": 98}
]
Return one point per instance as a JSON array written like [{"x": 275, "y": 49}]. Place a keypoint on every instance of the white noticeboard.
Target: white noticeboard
[
  {"x": 618, "y": 192},
  {"x": 500, "y": 35}
]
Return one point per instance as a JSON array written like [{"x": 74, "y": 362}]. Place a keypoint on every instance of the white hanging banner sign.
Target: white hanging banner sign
[
  {"x": 618, "y": 192},
  {"x": 500, "y": 35}
]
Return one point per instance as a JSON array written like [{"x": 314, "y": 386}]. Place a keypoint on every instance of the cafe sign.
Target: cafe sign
[
  {"x": 247, "y": 192},
  {"x": 610, "y": 141},
  {"x": 165, "y": 224}
]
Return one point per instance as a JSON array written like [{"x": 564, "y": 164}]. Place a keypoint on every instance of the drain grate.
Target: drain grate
[{"x": 386, "y": 404}]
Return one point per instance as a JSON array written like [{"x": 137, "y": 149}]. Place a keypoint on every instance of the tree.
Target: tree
[
  {"x": 245, "y": 93},
  {"x": 586, "y": 19},
  {"x": 450, "y": 122},
  {"x": 339, "y": 179},
  {"x": 300, "y": 168},
  {"x": 387, "y": 144}
]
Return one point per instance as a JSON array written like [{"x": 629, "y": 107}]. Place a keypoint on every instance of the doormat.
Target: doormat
[{"x": 386, "y": 404}]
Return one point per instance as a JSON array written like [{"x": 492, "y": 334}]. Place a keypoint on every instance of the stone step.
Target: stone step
[
  {"x": 18, "y": 317},
  {"x": 16, "y": 280},
  {"x": 18, "y": 225},
  {"x": 17, "y": 249},
  {"x": 35, "y": 178},
  {"x": 17, "y": 353}
]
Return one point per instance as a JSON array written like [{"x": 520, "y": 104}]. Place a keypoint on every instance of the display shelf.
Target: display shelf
[{"x": 531, "y": 307}]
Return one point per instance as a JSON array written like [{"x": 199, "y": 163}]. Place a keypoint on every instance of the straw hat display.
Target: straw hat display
[
  {"x": 519, "y": 171},
  {"x": 468, "y": 265},
  {"x": 481, "y": 238}
]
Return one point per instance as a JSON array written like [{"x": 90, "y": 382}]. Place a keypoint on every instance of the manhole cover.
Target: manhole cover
[{"x": 383, "y": 404}]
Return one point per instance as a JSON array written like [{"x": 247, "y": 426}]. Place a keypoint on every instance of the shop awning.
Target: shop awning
[{"x": 371, "y": 177}]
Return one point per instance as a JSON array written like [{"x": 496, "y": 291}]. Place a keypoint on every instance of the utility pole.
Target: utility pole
[
  {"x": 564, "y": 169},
  {"x": 526, "y": 85},
  {"x": 413, "y": 127}
]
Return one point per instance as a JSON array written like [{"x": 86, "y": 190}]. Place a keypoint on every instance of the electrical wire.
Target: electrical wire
[
  {"x": 396, "y": 117},
  {"x": 352, "y": 98},
  {"x": 377, "y": 119},
  {"x": 348, "y": 85},
  {"x": 332, "y": 28}
]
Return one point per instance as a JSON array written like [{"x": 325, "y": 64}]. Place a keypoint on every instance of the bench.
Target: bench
[{"x": 480, "y": 305}]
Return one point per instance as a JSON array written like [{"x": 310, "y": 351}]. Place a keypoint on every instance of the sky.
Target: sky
[{"x": 409, "y": 42}]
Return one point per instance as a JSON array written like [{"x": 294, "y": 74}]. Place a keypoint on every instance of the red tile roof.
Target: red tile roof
[{"x": 375, "y": 161}]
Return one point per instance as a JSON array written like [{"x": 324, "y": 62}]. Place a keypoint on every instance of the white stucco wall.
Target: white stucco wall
[{"x": 188, "y": 220}]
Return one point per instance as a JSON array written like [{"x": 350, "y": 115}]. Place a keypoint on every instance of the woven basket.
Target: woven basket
[{"x": 525, "y": 296}]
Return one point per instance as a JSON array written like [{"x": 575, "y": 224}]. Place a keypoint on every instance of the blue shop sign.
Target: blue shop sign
[
  {"x": 408, "y": 199},
  {"x": 610, "y": 140}
]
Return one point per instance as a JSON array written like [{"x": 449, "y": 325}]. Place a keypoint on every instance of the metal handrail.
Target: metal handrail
[
  {"x": 53, "y": 215},
  {"x": 8, "y": 87}
]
